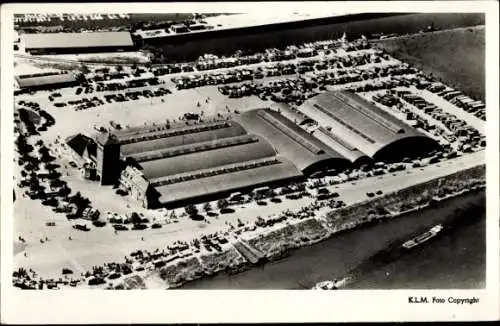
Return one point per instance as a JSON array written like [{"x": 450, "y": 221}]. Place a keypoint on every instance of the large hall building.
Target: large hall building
[
  {"x": 75, "y": 43},
  {"x": 174, "y": 165}
]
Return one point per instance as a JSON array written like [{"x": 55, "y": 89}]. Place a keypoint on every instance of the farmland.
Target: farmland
[{"x": 443, "y": 55}]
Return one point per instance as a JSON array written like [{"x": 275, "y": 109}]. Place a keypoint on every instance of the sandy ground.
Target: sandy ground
[{"x": 142, "y": 111}]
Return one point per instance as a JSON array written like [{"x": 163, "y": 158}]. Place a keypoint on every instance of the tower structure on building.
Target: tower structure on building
[{"x": 108, "y": 158}]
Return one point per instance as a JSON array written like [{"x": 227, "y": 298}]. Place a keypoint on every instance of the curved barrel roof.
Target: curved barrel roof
[
  {"x": 356, "y": 121},
  {"x": 289, "y": 140}
]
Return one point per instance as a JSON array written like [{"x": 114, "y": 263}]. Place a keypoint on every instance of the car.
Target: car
[
  {"x": 66, "y": 271},
  {"x": 370, "y": 194},
  {"x": 72, "y": 164},
  {"x": 81, "y": 227},
  {"x": 156, "y": 226},
  {"x": 139, "y": 226},
  {"x": 379, "y": 192},
  {"x": 119, "y": 227}
]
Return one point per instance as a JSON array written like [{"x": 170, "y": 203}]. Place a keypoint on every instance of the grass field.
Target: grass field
[{"x": 455, "y": 57}]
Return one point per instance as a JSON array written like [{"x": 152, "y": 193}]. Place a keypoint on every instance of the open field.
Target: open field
[{"x": 455, "y": 57}]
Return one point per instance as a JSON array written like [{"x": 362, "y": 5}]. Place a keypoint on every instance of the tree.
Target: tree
[
  {"x": 222, "y": 203},
  {"x": 135, "y": 218},
  {"x": 55, "y": 183},
  {"x": 207, "y": 207},
  {"x": 191, "y": 210},
  {"x": 84, "y": 69}
]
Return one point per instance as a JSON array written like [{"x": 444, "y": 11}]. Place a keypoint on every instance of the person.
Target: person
[{"x": 69, "y": 238}]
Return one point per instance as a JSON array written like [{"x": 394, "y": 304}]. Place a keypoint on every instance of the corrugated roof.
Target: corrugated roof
[
  {"x": 193, "y": 148},
  {"x": 287, "y": 141},
  {"x": 232, "y": 131},
  {"x": 229, "y": 182},
  {"x": 207, "y": 159},
  {"x": 356, "y": 121},
  {"x": 349, "y": 151},
  {"x": 60, "y": 78},
  {"x": 288, "y": 112},
  {"x": 76, "y": 40}
]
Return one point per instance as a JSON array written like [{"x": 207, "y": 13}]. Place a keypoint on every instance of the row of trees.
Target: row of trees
[{"x": 193, "y": 211}]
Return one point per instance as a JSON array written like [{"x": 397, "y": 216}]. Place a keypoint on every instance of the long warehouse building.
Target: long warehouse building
[
  {"x": 354, "y": 126},
  {"x": 175, "y": 165},
  {"x": 74, "y": 43}
]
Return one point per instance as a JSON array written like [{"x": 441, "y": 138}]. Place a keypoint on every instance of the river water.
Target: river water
[{"x": 455, "y": 260}]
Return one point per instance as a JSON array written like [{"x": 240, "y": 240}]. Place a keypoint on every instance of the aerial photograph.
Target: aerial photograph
[{"x": 249, "y": 151}]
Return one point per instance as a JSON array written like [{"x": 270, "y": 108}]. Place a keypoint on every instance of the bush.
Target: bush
[
  {"x": 96, "y": 281},
  {"x": 191, "y": 210},
  {"x": 222, "y": 204}
]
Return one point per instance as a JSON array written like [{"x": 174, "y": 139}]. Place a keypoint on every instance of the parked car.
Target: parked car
[{"x": 119, "y": 227}]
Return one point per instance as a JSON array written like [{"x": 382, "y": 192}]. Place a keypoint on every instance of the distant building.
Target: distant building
[
  {"x": 48, "y": 80},
  {"x": 89, "y": 171},
  {"x": 179, "y": 28},
  {"x": 74, "y": 43},
  {"x": 83, "y": 149}
]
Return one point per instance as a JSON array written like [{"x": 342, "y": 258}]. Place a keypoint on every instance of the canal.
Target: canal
[{"x": 455, "y": 260}]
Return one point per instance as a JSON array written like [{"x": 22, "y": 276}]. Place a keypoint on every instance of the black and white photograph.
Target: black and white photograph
[{"x": 269, "y": 147}]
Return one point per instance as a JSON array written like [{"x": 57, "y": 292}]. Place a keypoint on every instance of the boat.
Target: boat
[{"x": 423, "y": 237}]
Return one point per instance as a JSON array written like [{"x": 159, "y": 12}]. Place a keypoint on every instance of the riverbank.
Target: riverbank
[
  {"x": 338, "y": 255},
  {"x": 429, "y": 266},
  {"x": 273, "y": 241},
  {"x": 277, "y": 243}
]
